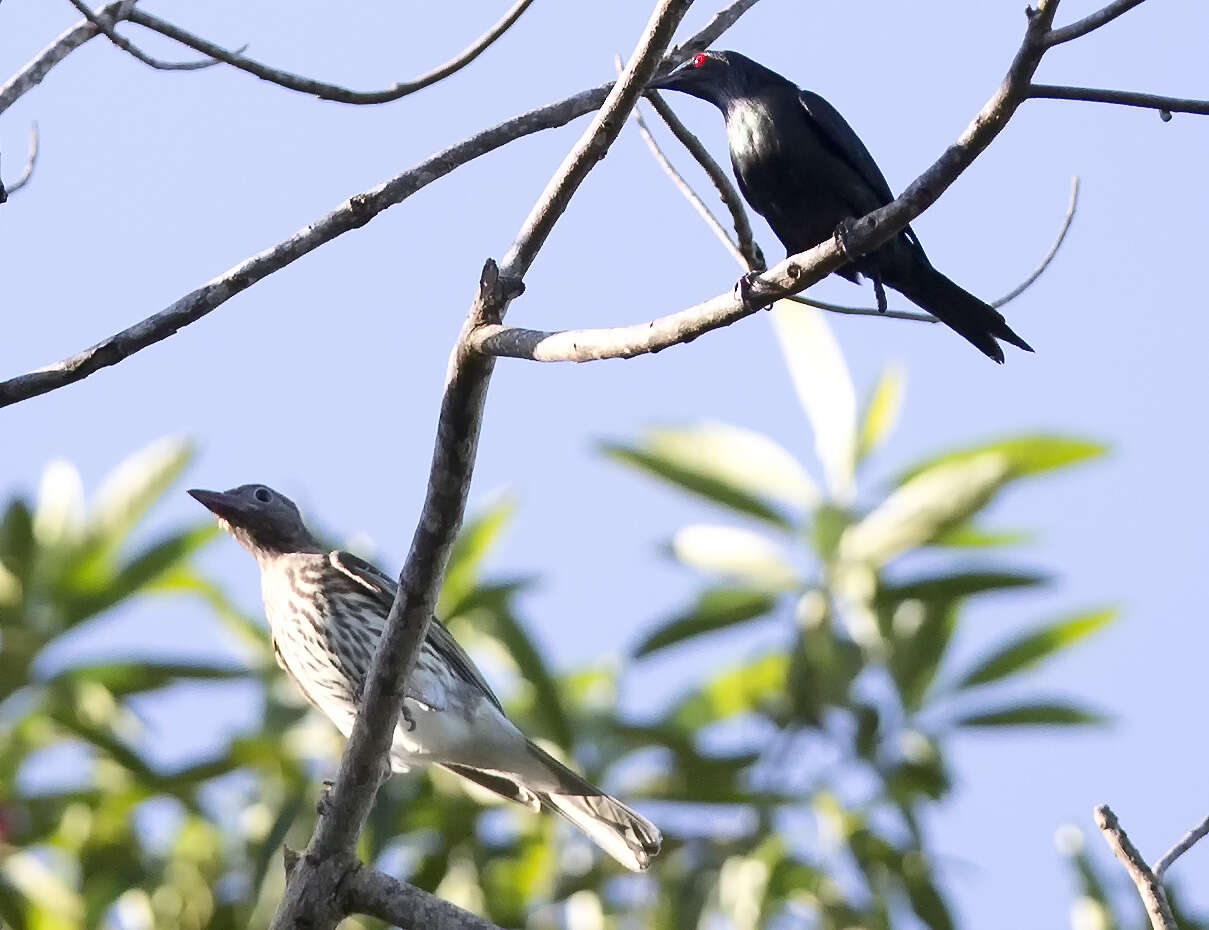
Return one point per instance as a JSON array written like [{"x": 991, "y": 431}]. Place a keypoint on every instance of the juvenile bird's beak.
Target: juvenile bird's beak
[
  {"x": 687, "y": 79},
  {"x": 226, "y": 507}
]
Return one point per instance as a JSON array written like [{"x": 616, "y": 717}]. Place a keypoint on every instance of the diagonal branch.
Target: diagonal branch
[
  {"x": 1154, "y": 899},
  {"x": 321, "y": 89},
  {"x": 368, "y": 891},
  {"x": 1090, "y": 23},
  {"x": 1165, "y": 105},
  {"x": 30, "y": 162},
  {"x": 107, "y": 29},
  {"x": 797, "y": 272},
  {"x": 1194, "y": 836},
  {"x": 330, "y": 862},
  {"x": 352, "y": 214}
]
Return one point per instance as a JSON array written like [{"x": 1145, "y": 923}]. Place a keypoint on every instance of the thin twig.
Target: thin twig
[
  {"x": 30, "y": 162},
  {"x": 1089, "y": 23},
  {"x": 33, "y": 73},
  {"x": 1193, "y": 836},
  {"x": 107, "y": 29},
  {"x": 686, "y": 189},
  {"x": 753, "y": 258},
  {"x": 1126, "y": 98},
  {"x": 330, "y": 862},
  {"x": 321, "y": 89},
  {"x": 1153, "y": 897},
  {"x": 377, "y": 894},
  {"x": 1028, "y": 282},
  {"x": 352, "y": 214}
]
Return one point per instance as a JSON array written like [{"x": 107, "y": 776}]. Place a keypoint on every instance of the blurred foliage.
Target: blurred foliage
[{"x": 791, "y": 782}]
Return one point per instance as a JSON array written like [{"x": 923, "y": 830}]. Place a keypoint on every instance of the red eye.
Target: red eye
[{"x": 699, "y": 59}]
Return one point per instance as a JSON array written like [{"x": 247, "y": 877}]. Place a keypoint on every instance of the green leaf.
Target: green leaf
[
  {"x": 126, "y": 678},
  {"x": 735, "y": 553},
  {"x": 824, "y": 386},
  {"x": 1028, "y": 650},
  {"x": 1040, "y": 713},
  {"x": 471, "y": 548},
  {"x": 85, "y": 601},
  {"x": 129, "y": 491},
  {"x": 735, "y": 691},
  {"x": 968, "y": 536},
  {"x": 700, "y": 477},
  {"x": 882, "y": 411},
  {"x": 1026, "y": 455},
  {"x": 955, "y": 585},
  {"x": 925, "y": 507},
  {"x": 919, "y": 647},
  {"x": 716, "y": 609}
]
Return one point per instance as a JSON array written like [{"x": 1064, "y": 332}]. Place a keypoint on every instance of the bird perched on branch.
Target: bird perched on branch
[
  {"x": 800, "y": 166},
  {"x": 326, "y": 610}
]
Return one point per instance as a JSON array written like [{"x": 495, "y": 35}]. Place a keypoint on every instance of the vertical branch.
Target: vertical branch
[{"x": 1154, "y": 899}]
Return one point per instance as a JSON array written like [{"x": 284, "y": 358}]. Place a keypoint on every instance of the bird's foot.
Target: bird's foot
[
  {"x": 754, "y": 294},
  {"x": 843, "y": 235},
  {"x": 880, "y": 292},
  {"x": 411, "y": 721}
]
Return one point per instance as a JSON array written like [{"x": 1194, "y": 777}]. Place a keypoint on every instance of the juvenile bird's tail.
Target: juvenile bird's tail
[
  {"x": 625, "y": 835},
  {"x": 960, "y": 310}
]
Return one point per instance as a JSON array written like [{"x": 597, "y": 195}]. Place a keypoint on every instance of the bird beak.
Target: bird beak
[
  {"x": 226, "y": 507},
  {"x": 685, "y": 79}
]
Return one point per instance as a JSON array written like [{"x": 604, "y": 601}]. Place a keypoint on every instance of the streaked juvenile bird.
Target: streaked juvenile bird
[
  {"x": 326, "y": 610},
  {"x": 802, "y": 168}
]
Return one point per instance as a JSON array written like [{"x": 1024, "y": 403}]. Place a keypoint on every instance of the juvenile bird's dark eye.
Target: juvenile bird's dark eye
[
  {"x": 262, "y": 495},
  {"x": 699, "y": 59}
]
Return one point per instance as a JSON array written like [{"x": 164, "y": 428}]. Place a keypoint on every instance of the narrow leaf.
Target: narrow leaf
[
  {"x": 824, "y": 386},
  {"x": 1030, "y": 649},
  {"x": 1041, "y": 713},
  {"x": 951, "y": 586},
  {"x": 735, "y": 553},
  {"x": 126, "y": 678},
  {"x": 882, "y": 413},
  {"x": 1026, "y": 455},
  {"x": 716, "y": 609}
]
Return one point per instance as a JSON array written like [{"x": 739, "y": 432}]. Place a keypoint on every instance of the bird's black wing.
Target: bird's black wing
[
  {"x": 383, "y": 588},
  {"x": 844, "y": 142}
]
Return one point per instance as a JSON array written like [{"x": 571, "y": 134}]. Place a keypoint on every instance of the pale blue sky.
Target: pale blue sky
[{"x": 324, "y": 379}]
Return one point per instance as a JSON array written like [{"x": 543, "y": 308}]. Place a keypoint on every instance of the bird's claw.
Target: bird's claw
[
  {"x": 411, "y": 721},
  {"x": 843, "y": 234},
  {"x": 754, "y": 294}
]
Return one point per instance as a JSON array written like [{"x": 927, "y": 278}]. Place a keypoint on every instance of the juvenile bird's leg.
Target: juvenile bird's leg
[{"x": 411, "y": 721}]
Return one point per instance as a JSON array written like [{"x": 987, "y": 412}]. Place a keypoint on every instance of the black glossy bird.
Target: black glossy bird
[
  {"x": 800, "y": 166},
  {"x": 326, "y": 610}
]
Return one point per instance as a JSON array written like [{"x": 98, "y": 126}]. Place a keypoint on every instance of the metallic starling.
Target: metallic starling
[
  {"x": 802, "y": 168},
  {"x": 326, "y": 611}
]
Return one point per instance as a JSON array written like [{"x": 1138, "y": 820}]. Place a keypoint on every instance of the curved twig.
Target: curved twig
[
  {"x": 107, "y": 29},
  {"x": 1028, "y": 282},
  {"x": 1195, "y": 835},
  {"x": 321, "y": 89},
  {"x": 1090, "y": 23},
  {"x": 1126, "y": 98},
  {"x": 749, "y": 251},
  {"x": 30, "y": 162}
]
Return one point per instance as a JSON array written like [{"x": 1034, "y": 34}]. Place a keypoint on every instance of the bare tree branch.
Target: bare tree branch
[
  {"x": 30, "y": 161},
  {"x": 1090, "y": 23},
  {"x": 1028, "y": 282},
  {"x": 1165, "y": 105},
  {"x": 31, "y": 75},
  {"x": 352, "y": 214},
  {"x": 321, "y": 89},
  {"x": 330, "y": 860},
  {"x": 1154, "y": 899},
  {"x": 799, "y": 271},
  {"x": 107, "y": 29},
  {"x": 368, "y": 891},
  {"x": 1195, "y": 835}
]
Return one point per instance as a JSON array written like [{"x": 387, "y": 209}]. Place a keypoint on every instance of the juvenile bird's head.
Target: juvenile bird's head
[
  {"x": 263, "y": 521},
  {"x": 720, "y": 78}
]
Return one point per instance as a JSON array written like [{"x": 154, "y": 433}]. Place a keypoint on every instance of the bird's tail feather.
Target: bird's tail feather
[
  {"x": 961, "y": 311},
  {"x": 625, "y": 835}
]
